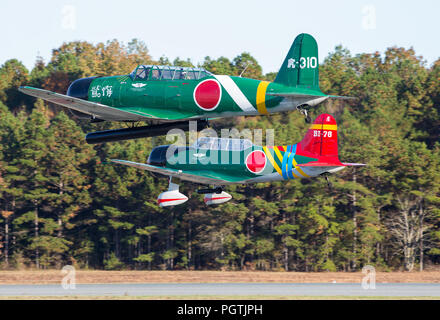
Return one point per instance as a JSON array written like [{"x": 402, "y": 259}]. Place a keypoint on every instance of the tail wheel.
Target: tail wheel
[{"x": 329, "y": 184}]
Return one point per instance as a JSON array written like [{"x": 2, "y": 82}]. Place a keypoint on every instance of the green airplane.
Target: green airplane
[
  {"x": 167, "y": 97},
  {"x": 218, "y": 162}
]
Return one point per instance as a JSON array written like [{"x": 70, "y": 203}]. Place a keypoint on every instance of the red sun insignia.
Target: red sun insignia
[
  {"x": 208, "y": 94},
  {"x": 256, "y": 161}
]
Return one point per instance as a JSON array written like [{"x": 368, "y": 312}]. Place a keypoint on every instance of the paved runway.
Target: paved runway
[{"x": 223, "y": 289}]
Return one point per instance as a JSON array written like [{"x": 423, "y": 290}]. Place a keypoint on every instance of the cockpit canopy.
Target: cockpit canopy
[
  {"x": 211, "y": 143},
  {"x": 151, "y": 72}
]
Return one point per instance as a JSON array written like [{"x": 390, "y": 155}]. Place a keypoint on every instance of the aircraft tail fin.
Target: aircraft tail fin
[
  {"x": 321, "y": 140},
  {"x": 321, "y": 143},
  {"x": 301, "y": 66}
]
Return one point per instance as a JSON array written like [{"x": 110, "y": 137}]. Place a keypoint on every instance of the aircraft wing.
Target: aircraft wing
[
  {"x": 98, "y": 110},
  {"x": 208, "y": 178}
]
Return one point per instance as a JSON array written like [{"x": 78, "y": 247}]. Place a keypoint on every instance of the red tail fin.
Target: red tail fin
[{"x": 321, "y": 139}]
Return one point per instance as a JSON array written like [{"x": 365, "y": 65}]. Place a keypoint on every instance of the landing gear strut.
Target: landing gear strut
[
  {"x": 329, "y": 184},
  {"x": 217, "y": 190},
  {"x": 302, "y": 109}
]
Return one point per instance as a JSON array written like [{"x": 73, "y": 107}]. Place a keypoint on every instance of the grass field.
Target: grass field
[{"x": 83, "y": 277}]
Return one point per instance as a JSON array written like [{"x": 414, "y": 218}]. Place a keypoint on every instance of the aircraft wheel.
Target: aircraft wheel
[{"x": 303, "y": 110}]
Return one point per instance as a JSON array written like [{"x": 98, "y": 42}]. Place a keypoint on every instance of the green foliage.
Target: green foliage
[
  {"x": 145, "y": 257},
  {"x": 64, "y": 203},
  {"x": 113, "y": 263},
  {"x": 13, "y": 74}
]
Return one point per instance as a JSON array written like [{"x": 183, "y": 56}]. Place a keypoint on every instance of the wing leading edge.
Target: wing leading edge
[
  {"x": 92, "y": 108},
  {"x": 208, "y": 179}
]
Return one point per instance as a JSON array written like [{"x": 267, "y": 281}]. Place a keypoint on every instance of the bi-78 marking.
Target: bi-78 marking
[{"x": 326, "y": 134}]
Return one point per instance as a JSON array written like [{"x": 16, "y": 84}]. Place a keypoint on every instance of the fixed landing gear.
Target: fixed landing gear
[
  {"x": 214, "y": 196},
  {"x": 172, "y": 197},
  {"x": 303, "y": 110}
]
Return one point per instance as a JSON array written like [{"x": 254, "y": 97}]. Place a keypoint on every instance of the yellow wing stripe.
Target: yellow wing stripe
[
  {"x": 278, "y": 153},
  {"x": 301, "y": 172},
  {"x": 261, "y": 97},
  {"x": 324, "y": 127},
  {"x": 272, "y": 160}
]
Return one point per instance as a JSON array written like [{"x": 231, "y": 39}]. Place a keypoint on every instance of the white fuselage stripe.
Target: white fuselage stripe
[{"x": 234, "y": 91}]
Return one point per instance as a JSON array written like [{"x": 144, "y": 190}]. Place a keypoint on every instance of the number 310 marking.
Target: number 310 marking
[{"x": 309, "y": 62}]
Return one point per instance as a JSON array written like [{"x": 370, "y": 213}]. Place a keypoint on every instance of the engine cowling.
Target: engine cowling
[
  {"x": 80, "y": 89},
  {"x": 216, "y": 198},
  {"x": 172, "y": 197}
]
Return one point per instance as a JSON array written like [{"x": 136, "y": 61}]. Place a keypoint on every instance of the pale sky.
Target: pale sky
[{"x": 198, "y": 28}]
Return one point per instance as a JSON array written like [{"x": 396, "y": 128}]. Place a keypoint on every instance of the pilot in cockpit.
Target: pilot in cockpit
[{"x": 155, "y": 75}]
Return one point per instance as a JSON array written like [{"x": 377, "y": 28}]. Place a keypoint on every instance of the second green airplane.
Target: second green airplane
[{"x": 218, "y": 162}]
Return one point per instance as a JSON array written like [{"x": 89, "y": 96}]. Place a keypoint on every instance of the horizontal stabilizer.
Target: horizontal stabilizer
[
  {"x": 327, "y": 164},
  {"x": 354, "y": 164},
  {"x": 311, "y": 96},
  {"x": 296, "y": 95},
  {"x": 343, "y": 98},
  {"x": 320, "y": 164},
  {"x": 301, "y": 98}
]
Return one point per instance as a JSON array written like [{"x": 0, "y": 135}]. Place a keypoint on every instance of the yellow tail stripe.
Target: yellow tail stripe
[
  {"x": 324, "y": 127},
  {"x": 261, "y": 97},
  {"x": 280, "y": 157},
  {"x": 272, "y": 160},
  {"x": 278, "y": 153},
  {"x": 295, "y": 164}
]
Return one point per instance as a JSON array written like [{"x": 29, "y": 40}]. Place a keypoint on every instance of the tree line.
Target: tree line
[{"x": 61, "y": 202}]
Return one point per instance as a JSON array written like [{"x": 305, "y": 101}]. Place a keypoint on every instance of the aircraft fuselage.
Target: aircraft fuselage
[{"x": 210, "y": 97}]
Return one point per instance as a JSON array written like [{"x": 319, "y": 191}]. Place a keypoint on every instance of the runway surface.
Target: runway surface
[{"x": 224, "y": 289}]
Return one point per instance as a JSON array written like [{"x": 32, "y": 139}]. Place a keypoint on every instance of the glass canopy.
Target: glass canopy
[
  {"x": 211, "y": 143},
  {"x": 152, "y": 72}
]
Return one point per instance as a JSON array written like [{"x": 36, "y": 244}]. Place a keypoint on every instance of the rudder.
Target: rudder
[
  {"x": 301, "y": 66},
  {"x": 321, "y": 139}
]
